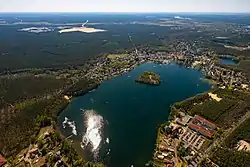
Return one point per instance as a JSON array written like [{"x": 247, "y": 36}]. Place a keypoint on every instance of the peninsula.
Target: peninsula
[{"x": 149, "y": 78}]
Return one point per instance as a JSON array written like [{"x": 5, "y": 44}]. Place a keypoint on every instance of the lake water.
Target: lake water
[
  {"x": 228, "y": 61},
  {"x": 126, "y": 114}
]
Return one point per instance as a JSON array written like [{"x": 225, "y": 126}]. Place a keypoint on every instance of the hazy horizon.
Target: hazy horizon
[
  {"x": 129, "y": 6},
  {"x": 96, "y": 12}
]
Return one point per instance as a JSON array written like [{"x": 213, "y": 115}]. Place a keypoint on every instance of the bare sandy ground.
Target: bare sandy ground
[
  {"x": 81, "y": 29},
  {"x": 237, "y": 48},
  {"x": 215, "y": 97}
]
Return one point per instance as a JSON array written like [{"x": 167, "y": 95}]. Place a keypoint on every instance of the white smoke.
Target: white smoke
[
  {"x": 83, "y": 25},
  {"x": 93, "y": 135}
]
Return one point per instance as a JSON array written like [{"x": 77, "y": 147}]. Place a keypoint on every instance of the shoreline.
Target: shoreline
[
  {"x": 94, "y": 65},
  {"x": 96, "y": 87},
  {"x": 82, "y": 93},
  {"x": 209, "y": 144}
]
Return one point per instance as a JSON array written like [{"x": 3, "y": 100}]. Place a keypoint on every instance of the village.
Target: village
[
  {"x": 187, "y": 54},
  {"x": 113, "y": 65},
  {"x": 183, "y": 141},
  {"x": 49, "y": 148}
]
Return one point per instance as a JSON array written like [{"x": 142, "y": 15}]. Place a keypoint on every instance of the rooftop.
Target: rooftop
[
  {"x": 243, "y": 145},
  {"x": 2, "y": 160},
  {"x": 184, "y": 120},
  {"x": 203, "y": 120},
  {"x": 200, "y": 129}
]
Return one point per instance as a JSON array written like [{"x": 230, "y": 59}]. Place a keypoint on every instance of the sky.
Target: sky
[{"x": 231, "y": 6}]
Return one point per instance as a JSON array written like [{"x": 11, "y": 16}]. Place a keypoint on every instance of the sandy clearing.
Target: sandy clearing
[
  {"x": 81, "y": 29},
  {"x": 215, "y": 97}
]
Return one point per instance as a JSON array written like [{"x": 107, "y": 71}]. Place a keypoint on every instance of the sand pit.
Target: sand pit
[
  {"x": 81, "y": 29},
  {"x": 215, "y": 97}
]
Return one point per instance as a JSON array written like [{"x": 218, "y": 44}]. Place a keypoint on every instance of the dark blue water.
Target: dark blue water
[
  {"x": 133, "y": 111},
  {"x": 228, "y": 61}
]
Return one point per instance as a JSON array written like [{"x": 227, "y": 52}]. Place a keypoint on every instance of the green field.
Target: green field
[{"x": 114, "y": 56}]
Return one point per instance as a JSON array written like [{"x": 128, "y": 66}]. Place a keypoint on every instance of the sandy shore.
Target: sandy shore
[{"x": 81, "y": 29}]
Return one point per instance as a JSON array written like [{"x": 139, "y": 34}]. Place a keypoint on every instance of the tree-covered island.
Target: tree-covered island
[{"x": 149, "y": 78}]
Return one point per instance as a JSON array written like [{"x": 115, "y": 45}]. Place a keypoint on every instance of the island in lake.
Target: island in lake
[{"x": 149, "y": 78}]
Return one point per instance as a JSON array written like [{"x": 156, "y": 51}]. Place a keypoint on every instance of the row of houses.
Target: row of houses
[
  {"x": 197, "y": 124},
  {"x": 202, "y": 126}
]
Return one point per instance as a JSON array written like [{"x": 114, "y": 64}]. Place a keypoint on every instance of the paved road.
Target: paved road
[{"x": 219, "y": 141}]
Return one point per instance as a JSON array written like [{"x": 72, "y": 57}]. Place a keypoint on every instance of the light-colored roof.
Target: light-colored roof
[
  {"x": 243, "y": 145},
  {"x": 184, "y": 120}
]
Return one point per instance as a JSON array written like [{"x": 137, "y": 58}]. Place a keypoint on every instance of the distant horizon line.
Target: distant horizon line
[{"x": 114, "y": 12}]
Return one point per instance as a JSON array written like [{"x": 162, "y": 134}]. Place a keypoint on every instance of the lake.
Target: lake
[
  {"x": 117, "y": 122},
  {"x": 228, "y": 61}
]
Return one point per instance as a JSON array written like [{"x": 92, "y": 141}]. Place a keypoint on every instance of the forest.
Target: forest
[
  {"x": 228, "y": 155},
  {"x": 240, "y": 133},
  {"x": 148, "y": 77},
  {"x": 20, "y": 88},
  {"x": 61, "y": 50},
  {"x": 225, "y": 157},
  {"x": 81, "y": 87},
  {"x": 20, "y": 130},
  {"x": 26, "y": 106}
]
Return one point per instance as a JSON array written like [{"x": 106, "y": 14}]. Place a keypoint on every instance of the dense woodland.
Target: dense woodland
[
  {"x": 27, "y": 102},
  {"x": 148, "y": 77},
  {"x": 81, "y": 87},
  {"x": 231, "y": 158},
  {"x": 18, "y": 89},
  {"x": 61, "y": 50},
  {"x": 241, "y": 133},
  {"x": 21, "y": 129},
  {"x": 227, "y": 155}
]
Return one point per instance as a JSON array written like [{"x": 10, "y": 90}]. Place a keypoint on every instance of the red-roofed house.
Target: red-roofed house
[
  {"x": 200, "y": 130},
  {"x": 206, "y": 122},
  {"x": 2, "y": 160}
]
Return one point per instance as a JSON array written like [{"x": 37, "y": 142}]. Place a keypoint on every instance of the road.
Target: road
[{"x": 219, "y": 141}]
